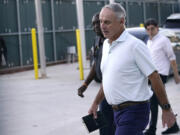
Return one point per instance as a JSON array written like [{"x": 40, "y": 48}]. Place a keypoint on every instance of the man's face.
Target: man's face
[
  {"x": 96, "y": 26},
  {"x": 111, "y": 26},
  {"x": 152, "y": 30}
]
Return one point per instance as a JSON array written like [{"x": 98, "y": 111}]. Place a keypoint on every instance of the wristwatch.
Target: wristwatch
[{"x": 166, "y": 106}]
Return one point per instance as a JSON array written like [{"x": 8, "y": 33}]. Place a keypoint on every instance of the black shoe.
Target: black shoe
[
  {"x": 150, "y": 132},
  {"x": 173, "y": 129}
]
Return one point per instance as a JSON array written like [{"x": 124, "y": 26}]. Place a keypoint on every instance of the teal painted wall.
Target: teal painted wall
[{"x": 65, "y": 23}]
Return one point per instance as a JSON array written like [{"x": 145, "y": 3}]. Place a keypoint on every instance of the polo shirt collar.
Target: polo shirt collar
[
  {"x": 156, "y": 36},
  {"x": 121, "y": 38}
]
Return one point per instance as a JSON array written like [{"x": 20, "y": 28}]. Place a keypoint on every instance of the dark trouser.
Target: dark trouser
[
  {"x": 108, "y": 113},
  {"x": 154, "y": 107},
  {"x": 132, "y": 120}
]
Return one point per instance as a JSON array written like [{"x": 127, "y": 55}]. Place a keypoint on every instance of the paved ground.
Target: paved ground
[{"x": 51, "y": 106}]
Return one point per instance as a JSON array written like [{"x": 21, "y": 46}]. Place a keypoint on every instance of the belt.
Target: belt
[{"x": 127, "y": 104}]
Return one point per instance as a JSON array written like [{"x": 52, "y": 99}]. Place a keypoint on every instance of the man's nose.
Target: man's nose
[{"x": 102, "y": 25}]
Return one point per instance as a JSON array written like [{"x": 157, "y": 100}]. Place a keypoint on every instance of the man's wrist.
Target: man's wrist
[
  {"x": 166, "y": 106},
  {"x": 85, "y": 84}
]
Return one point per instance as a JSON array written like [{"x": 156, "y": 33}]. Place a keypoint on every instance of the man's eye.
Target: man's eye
[{"x": 107, "y": 22}]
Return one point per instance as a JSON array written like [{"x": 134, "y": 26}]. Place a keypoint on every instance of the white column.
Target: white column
[
  {"x": 80, "y": 18},
  {"x": 40, "y": 37},
  {"x": 111, "y": 1}
]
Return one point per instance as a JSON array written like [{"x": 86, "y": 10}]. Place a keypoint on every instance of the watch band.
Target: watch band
[{"x": 166, "y": 106}]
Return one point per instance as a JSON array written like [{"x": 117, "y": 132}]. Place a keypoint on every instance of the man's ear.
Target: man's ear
[
  {"x": 122, "y": 20},
  {"x": 158, "y": 28}
]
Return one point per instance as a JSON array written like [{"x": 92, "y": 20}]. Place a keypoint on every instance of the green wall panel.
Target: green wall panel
[
  {"x": 27, "y": 50},
  {"x": 27, "y": 15},
  {"x": 122, "y": 3},
  {"x": 8, "y": 22},
  {"x": 12, "y": 50},
  {"x": 166, "y": 10},
  {"x": 90, "y": 35},
  {"x": 65, "y": 14},
  {"x": 49, "y": 52},
  {"x": 176, "y": 7},
  {"x": 152, "y": 10},
  {"x": 90, "y": 8},
  {"x": 46, "y": 11},
  {"x": 63, "y": 40},
  {"x": 135, "y": 8}
]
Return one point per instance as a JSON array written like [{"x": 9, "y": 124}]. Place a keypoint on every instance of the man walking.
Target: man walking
[
  {"x": 126, "y": 67},
  {"x": 162, "y": 56},
  {"x": 95, "y": 73}
]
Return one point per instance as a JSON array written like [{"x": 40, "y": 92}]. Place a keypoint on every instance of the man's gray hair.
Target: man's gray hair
[{"x": 117, "y": 9}]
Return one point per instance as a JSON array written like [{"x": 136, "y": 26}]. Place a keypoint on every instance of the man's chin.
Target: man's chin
[{"x": 106, "y": 35}]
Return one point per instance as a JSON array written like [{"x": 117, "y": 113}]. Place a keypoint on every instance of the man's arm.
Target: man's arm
[
  {"x": 87, "y": 81},
  {"x": 168, "y": 117},
  {"x": 97, "y": 101},
  {"x": 175, "y": 71}
]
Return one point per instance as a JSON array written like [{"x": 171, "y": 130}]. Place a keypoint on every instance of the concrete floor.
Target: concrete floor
[{"x": 51, "y": 106}]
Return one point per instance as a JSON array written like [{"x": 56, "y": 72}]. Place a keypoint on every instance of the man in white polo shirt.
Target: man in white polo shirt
[
  {"x": 126, "y": 67},
  {"x": 163, "y": 56}
]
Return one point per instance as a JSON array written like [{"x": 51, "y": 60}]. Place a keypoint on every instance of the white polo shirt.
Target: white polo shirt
[
  {"x": 161, "y": 53},
  {"x": 125, "y": 66}
]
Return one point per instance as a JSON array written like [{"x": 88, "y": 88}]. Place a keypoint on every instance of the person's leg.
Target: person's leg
[
  {"x": 164, "y": 79},
  {"x": 132, "y": 120},
  {"x": 154, "y": 112},
  {"x": 106, "y": 109},
  {"x": 154, "y": 116}
]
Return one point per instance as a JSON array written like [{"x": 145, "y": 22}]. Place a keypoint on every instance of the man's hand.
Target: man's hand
[
  {"x": 175, "y": 71},
  {"x": 93, "y": 110},
  {"x": 177, "y": 79},
  {"x": 81, "y": 90},
  {"x": 98, "y": 99},
  {"x": 168, "y": 118}
]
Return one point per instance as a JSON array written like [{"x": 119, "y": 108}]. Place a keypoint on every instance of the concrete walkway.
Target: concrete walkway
[{"x": 51, "y": 106}]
